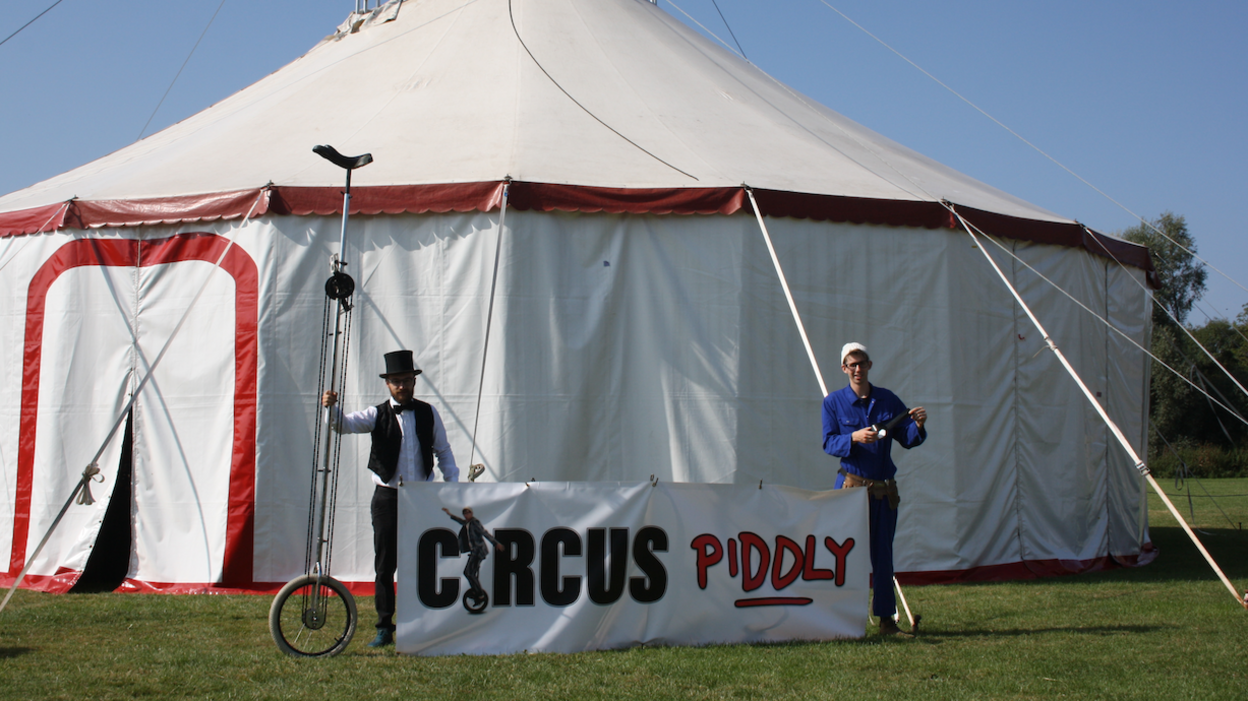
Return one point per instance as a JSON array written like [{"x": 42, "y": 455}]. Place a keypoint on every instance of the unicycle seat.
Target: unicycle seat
[{"x": 331, "y": 154}]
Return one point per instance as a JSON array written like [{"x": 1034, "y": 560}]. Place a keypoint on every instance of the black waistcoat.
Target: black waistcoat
[{"x": 388, "y": 438}]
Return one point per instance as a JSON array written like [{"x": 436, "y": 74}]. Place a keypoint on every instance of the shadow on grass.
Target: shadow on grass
[
  {"x": 1018, "y": 632},
  {"x": 11, "y": 652},
  {"x": 1178, "y": 560},
  {"x": 938, "y": 636}
]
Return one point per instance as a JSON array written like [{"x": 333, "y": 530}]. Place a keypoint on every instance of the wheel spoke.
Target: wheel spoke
[{"x": 302, "y": 631}]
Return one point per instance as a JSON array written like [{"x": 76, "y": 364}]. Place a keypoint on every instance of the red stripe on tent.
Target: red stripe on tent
[
  {"x": 933, "y": 215},
  {"x": 65, "y": 578},
  {"x": 389, "y": 199},
  {"x": 96, "y": 214},
  {"x": 134, "y": 586},
  {"x": 240, "y": 520},
  {"x": 67, "y": 257},
  {"x": 1059, "y": 234},
  {"x": 488, "y": 196},
  {"x": 1029, "y": 569},
  {"x": 854, "y": 210},
  {"x": 571, "y": 198},
  {"x": 34, "y": 220},
  {"x": 236, "y": 568},
  {"x": 546, "y": 197}
]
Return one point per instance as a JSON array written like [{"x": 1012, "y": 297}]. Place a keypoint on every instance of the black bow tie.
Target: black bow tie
[{"x": 400, "y": 408}]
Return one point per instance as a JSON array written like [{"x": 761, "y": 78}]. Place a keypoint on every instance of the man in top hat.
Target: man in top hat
[
  {"x": 853, "y": 420},
  {"x": 407, "y": 434}
]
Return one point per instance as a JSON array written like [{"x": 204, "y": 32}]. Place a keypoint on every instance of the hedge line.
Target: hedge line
[{"x": 1203, "y": 460}]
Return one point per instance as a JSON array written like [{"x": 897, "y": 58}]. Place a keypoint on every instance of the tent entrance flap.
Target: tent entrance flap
[{"x": 109, "y": 562}]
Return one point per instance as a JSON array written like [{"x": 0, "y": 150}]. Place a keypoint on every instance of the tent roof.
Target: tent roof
[{"x": 600, "y": 105}]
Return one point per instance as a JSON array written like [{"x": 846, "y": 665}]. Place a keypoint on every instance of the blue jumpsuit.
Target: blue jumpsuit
[{"x": 844, "y": 413}]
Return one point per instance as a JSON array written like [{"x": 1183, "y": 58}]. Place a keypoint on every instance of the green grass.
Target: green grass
[{"x": 1166, "y": 631}]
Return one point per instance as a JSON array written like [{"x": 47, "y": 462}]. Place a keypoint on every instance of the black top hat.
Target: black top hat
[{"x": 399, "y": 362}]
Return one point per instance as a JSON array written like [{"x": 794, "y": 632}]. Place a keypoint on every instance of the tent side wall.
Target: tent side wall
[
  {"x": 622, "y": 346},
  {"x": 94, "y": 313}
]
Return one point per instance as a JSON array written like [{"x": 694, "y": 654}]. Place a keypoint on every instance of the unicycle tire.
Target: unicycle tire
[
  {"x": 476, "y": 601},
  {"x": 300, "y": 630}
]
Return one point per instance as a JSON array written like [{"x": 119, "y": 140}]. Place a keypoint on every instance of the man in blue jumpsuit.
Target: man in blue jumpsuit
[{"x": 850, "y": 416}]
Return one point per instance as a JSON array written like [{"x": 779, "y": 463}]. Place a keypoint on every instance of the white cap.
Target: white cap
[{"x": 850, "y": 348}]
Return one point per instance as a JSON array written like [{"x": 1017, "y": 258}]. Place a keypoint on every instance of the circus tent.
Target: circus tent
[{"x": 639, "y": 326}]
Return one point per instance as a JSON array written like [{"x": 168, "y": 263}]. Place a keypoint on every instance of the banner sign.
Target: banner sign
[{"x": 592, "y": 566}]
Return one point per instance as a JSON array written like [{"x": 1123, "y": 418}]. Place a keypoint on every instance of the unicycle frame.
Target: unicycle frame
[{"x": 338, "y": 289}]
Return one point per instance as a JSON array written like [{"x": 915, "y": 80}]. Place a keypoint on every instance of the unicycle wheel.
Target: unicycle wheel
[
  {"x": 313, "y": 617},
  {"x": 475, "y": 600}
]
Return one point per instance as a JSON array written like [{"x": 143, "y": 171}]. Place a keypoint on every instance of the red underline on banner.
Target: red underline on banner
[{"x": 773, "y": 601}]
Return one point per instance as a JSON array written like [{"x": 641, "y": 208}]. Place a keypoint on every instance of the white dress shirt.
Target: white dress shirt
[{"x": 410, "y": 468}]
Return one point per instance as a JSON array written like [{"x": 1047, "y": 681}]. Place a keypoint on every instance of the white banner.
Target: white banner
[{"x": 592, "y": 566}]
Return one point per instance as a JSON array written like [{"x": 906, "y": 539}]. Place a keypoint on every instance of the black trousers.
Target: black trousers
[
  {"x": 473, "y": 569},
  {"x": 385, "y": 512}
]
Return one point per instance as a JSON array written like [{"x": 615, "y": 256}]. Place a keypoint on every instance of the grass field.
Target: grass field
[{"x": 1166, "y": 631}]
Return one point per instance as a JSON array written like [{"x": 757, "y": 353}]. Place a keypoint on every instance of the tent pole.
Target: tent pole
[
  {"x": 784, "y": 284},
  {"x": 489, "y": 321},
  {"x": 1113, "y": 427},
  {"x": 810, "y": 353}
]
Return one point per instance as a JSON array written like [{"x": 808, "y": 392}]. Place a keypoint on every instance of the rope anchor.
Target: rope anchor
[{"x": 89, "y": 475}]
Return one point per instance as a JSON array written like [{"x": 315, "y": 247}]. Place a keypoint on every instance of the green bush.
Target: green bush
[{"x": 1204, "y": 460}]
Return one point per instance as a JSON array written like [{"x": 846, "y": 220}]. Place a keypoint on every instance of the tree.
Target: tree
[
  {"x": 1241, "y": 327},
  {"x": 1182, "y": 276},
  {"x": 1176, "y": 410}
]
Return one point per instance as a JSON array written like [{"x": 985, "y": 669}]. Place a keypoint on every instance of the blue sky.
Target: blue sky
[{"x": 1144, "y": 99}]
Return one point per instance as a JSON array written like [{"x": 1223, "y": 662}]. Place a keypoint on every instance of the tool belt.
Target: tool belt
[{"x": 876, "y": 489}]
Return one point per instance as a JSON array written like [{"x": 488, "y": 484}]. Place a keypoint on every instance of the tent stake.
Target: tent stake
[{"x": 1113, "y": 427}]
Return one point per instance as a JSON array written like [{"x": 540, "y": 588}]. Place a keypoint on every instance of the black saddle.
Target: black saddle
[{"x": 331, "y": 154}]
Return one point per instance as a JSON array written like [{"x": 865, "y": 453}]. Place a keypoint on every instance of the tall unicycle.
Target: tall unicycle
[{"x": 314, "y": 615}]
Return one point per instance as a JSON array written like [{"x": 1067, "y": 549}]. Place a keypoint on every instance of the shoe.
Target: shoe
[
  {"x": 385, "y": 637},
  {"x": 889, "y": 627}
]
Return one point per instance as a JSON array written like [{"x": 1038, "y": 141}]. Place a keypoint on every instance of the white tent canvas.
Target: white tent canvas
[{"x": 639, "y": 327}]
